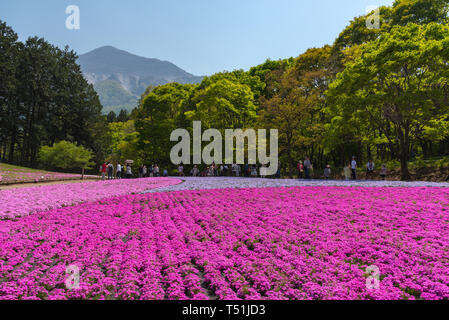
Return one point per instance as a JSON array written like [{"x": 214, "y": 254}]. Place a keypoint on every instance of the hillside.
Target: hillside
[
  {"x": 120, "y": 77},
  {"x": 10, "y": 174}
]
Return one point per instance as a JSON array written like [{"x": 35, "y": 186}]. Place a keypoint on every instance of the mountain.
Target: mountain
[{"x": 120, "y": 77}]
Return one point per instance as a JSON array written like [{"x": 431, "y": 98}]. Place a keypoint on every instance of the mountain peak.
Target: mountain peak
[
  {"x": 110, "y": 60},
  {"x": 111, "y": 69}
]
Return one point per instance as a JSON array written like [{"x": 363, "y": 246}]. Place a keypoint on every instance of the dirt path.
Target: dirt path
[{"x": 34, "y": 184}]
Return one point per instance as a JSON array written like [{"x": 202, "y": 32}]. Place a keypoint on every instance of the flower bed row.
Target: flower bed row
[
  {"x": 273, "y": 243},
  {"x": 24, "y": 201}
]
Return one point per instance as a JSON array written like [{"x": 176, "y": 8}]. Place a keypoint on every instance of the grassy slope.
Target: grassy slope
[{"x": 14, "y": 174}]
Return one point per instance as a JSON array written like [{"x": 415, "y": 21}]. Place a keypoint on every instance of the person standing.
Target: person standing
[
  {"x": 307, "y": 167},
  {"x": 103, "y": 169},
  {"x": 150, "y": 170},
  {"x": 354, "y": 168},
  {"x": 156, "y": 170},
  {"x": 383, "y": 172},
  {"x": 370, "y": 169},
  {"x": 129, "y": 172},
  {"x": 194, "y": 172},
  {"x": 347, "y": 172},
  {"x": 327, "y": 172},
  {"x": 181, "y": 170},
  {"x": 110, "y": 171},
  {"x": 118, "y": 174},
  {"x": 237, "y": 170},
  {"x": 254, "y": 171},
  {"x": 300, "y": 169},
  {"x": 141, "y": 171},
  {"x": 144, "y": 171}
]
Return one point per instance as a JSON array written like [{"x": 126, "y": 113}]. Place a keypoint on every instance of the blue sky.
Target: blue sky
[{"x": 200, "y": 36}]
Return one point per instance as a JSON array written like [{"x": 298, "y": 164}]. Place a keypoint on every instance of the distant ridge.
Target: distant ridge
[{"x": 120, "y": 77}]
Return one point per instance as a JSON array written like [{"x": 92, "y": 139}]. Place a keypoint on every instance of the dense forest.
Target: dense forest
[
  {"x": 379, "y": 94},
  {"x": 44, "y": 98}
]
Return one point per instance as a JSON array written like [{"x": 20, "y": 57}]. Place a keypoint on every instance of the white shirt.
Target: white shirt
[
  {"x": 353, "y": 164},
  {"x": 119, "y": 168}
]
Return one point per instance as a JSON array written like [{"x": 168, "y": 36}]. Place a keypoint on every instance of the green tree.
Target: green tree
[
  {"x": 9, "y": 124},
  {"x": 156, "y": 118},
  {"x": 296, "y": 105},
  {"x": 66, "y": 155},
  {"x": 123, "y": 116},
  {"x": 111, "y": 117},
  {"x": 224, "y": 104},
  {"x": 398, "y": 85}
]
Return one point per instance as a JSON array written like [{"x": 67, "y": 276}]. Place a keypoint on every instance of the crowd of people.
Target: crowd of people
[
  {"x": 225, "y": 170},
  {"x": 304, "y": 171},
  {"x": 120, "y": 171}
]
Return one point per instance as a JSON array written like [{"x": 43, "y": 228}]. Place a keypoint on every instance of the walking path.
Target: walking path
[{"x": 197, "y": 183}]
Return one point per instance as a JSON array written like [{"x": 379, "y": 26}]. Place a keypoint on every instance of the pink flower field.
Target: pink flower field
[
  {"x": 271, "y": 243},
  {"x": 24, "y": 201}
]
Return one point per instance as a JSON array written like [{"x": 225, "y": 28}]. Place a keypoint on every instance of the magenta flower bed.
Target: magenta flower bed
[
  {"x": 24, "y": 201},
  {"x": 274, "y": 243}
]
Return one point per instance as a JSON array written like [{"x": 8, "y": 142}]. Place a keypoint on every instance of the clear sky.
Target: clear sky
[{"x": 200, "y": 36}]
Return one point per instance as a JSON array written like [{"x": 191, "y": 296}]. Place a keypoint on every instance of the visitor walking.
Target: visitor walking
[
  {"x": 181, "y": 170},
  {"x": 327, "y": 172},
  {"x": 383, "y": 172},
  {"x": 347, "y": 172},
  {"x": 103, "y": 169},
  {"x": 237, "y": 170},
  {"x": 150, "y": 171},
  {"x": 225, "y": 170},
  {"x": 370, "y": 169},
  {"x": 110, "y": 171},
  {"x": 144, "y": 171},
  {"x": 118, "y": 174},
  {"x": 300, "y": 169},
  {"x": 141, "y": 171},
  {"x": 195, "y": 171},
  {"x": 129, "y": 172},
  {"x": 354, "y": 168},
  {"x": 254, "y": 171},
  {"x": 156, "y": 170},
  {"x": 307, "y": 167}
]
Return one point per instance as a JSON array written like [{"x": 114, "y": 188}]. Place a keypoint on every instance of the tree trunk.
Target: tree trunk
[
  {"x": 404, "y": 153},
  {"x": 290, "y": 161},
  {"x": 12, "y": 147}
]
